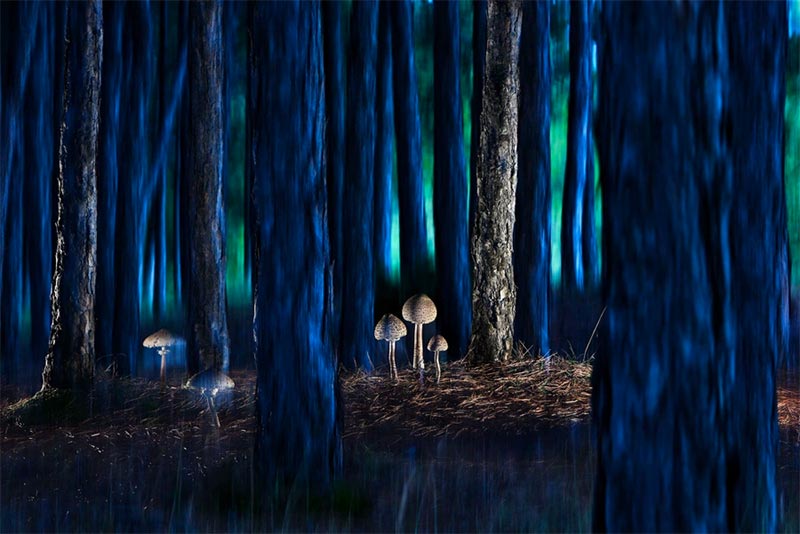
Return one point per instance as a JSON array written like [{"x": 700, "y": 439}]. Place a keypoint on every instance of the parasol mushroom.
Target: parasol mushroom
[
  {"x": 437, "y": 344},
  {"x": 390, "y": 329},
  {"x": 208, "y": 383},
  {"x": 419, "y": 310},
  {"x": 162, "y": 340}
]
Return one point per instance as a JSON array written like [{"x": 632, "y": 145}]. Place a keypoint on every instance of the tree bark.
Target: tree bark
[
  {"x": 589, "y": 252},
  {"x": 358, "y": 290},
  {"x": 532, "y": 226},
  {"x": 478, "y": 67},
  {"x": 410, "y": 193},
  {"x": 208, "y": 324},
  {"x": 450, "y": 182},
  {"x": 493, "y": 289},
  {"x": 70, "y": 359},
  {"x": 578, "y": 132},
  {"x": 298, "y": 419}
]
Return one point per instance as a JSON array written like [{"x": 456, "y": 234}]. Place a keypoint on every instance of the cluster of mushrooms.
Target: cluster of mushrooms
[{"x": 418, "y": 310}]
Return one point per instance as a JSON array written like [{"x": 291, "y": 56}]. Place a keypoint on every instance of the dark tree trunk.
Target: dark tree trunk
[
  {"x": 208, "y": 326},
  {"x": 589, "y": 252},
  {"x": 575, "y": 179},
  {"x": 384, "y": 152},
  {"x": 450, "y": 183},
  {"x": 413, "y": 233},
  {"x": 183, "y": 181},
  {"x": 478, "y": 66},
  {"x": 358, "y": 288},
  {"x": 684, "y": 384},
  {"x": 298, "y": 429},
  {"x": 335, "y": 133},
  {"x": 493, "y": 290},
  {"x": 532, "y": 226},
  {"x": 70, "y": 359},
  {"x": 159, "y": 209}
]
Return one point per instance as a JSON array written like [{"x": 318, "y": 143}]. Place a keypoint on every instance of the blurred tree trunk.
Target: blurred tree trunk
[
  {"x": 208, "y": 325},
  {"x": 410, "y": 193},
  {"x": 70, "y": 359},
  {"x": 691, "y": 171},
  {"x": 578, "y": 133},
  {"x": 183, "y": 183},
  {"x": 478, "y": 66},
  {"x": 532, "y": 225},
  {"x": 450, "y": 182},
  {"x": 298, "y": 420},
  {"x": 589, "y": 252},
  {"x": 493, "y": 289}
]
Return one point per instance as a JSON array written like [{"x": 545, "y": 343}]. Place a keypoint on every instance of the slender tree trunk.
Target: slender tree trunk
[
  {"x": 589, "y": 252},
  {"x": 208, "y": 325},
  {"x": 493, "y": 290},
  {"x": 532, "y": 226},
  {"x": 478, "y": 67},
  {"x": 694, "y": 291},
  {"x": 413, "y": 232},
  {"x": 575, "y": 179},
  {"x": 70, "y": 359},
  {"x": 298, "y": 436},
  {"x": 160, "y": 198},
  {"x": 358, "y": 289},
  {"x": 450, "y": 182}
]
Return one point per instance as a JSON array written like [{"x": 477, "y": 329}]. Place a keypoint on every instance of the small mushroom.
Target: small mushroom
[
  {"x": 436, "y": 345},
  {"x": 419, "y": 310},
  {"x": 208, "y": 383},
  {"x": 390, "y": 329},
  {"x": 162, "y": 340}
]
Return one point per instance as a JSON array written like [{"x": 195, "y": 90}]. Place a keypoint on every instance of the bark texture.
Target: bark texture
[
  {"x": 384, "y": 154},
  {"x": 208, "y": 326},
  {"x": 70, "y": 358},
  {"x": 478, "y": 66},
  {"x": 532, "y": 226},
  {"x": 493, "y": 289}
]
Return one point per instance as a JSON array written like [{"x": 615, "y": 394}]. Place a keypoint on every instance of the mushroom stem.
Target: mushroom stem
[
  {"x": 392, "y": 367},
  {"x": 418, "y": 346},
  {"x": 438, "y": 367},
  {"x": 163, "y": 352},
  {"x": 213, "y": 409}
]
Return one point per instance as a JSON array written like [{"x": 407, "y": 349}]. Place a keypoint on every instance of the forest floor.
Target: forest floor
[{"x": 488, "y": 448}]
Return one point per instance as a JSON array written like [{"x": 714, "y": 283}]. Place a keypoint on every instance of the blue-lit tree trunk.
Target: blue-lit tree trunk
[
  {"x": 70, "y": 359},
  {"x": 695, "y": 266},
  {"x": 450, "y": 194},
  {"x": 532, "y": 225},
  {"x": 410, "y": 193},
  {"x": 589, "y": 248},
  {"x": 358, "y": 289},
  {"x": 298, "y": 432},
  {"x": 207, "y": 329},
  {"x": 578, "y": 133},
  {"x": 335, "y": 156},
  {"x": 478, "y": 65}
]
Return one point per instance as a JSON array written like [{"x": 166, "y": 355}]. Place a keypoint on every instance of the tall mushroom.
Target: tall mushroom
[
  {"x": 162, "y": 340},
  {"x": 436, "y": 345},
  {"x": 208, "y": 383},
  {"x": 390, "y": 329},
  {"x": 419, "y": 310}
]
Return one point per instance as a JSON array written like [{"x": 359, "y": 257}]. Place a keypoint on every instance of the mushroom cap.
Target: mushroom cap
[
  {"x": 162, "y": 338},
  {"x": 210, "y": 379},
  {"x": 437, "y": 342},
  {"x": 419, "y": 309},
  {"x": 390, "y": 328}
]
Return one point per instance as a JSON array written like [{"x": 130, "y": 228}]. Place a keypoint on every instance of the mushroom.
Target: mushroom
[
  {"x": 208, "y": 383},
  {"x": 437, "y": 344},
  {"x": 162, "y": 340},
  {"x": 419, "y": 310},
  {"x": 390, "y": 329}
]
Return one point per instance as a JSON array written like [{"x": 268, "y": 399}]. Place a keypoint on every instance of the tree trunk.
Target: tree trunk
[
  {"x": 493, "y": 289},
  {"x": 478, "y": 66},
  {"x": 684, "y": 385},
  {"x": 298, "y": 421},
  {"x": 70, "y": 359},
  {"x": 358, "y": 289},
  {"x": 208, "y": 324},
  {"x": 532, "y": 226},
  {"x": 589, "y": 253},
  {"x": 410, "y": 193},
  {"x": 450, "y": 182}
]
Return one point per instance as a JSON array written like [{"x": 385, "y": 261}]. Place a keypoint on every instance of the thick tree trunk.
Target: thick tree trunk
[
  {"x": 478, "y": 67},
  {"x": 575, "y": 178},
  {"x": 683, "y": 388},
  {"x": 298, "y": 428},
  {"x": 493, "y": 289},
  {"x": 410, "y": 193},
  {"x": 358, "y": 289},
  {"x": 450, "y": 183},
  {"x": 208, "y": 324},
  {"x": 70, "y": 359},
  {"x": 532, "y": 226}
]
